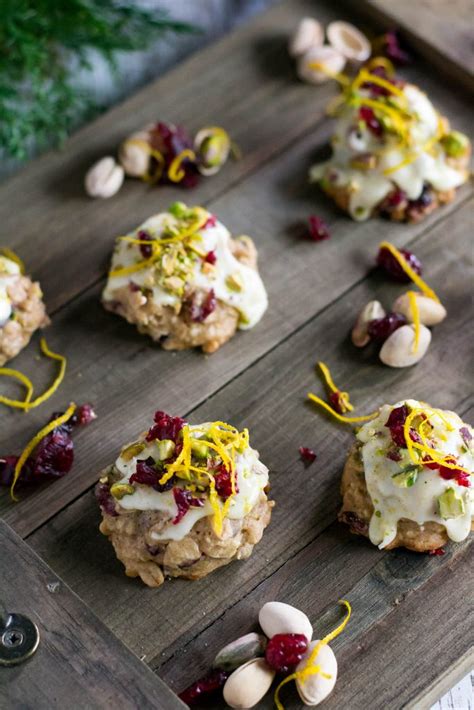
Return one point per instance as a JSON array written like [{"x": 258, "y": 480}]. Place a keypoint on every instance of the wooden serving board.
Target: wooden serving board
[{"x": 408, "y": 638}]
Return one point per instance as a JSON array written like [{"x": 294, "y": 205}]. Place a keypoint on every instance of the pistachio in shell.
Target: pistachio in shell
[
  {"x": 316, "y": 687},
  {"x": 238, "y": 652},
  {"x": 212, "y": 147},
  {"x": 247, "y": 685}
]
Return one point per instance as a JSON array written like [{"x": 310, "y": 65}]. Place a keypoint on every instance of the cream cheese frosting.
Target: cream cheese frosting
[
  {"x": 251, "y": 477},
  {"x": 234, "y": 283},
  {"x": 417, "y": 498},
  {"x": 391, "y": 162},
  {"x": 8, "y": 269}
]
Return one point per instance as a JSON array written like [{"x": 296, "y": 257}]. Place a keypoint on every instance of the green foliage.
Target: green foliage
[{"x": 43, "y": 43}]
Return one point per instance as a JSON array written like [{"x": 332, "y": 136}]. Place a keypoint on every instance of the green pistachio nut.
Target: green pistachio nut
[
  {"x": 119, "y": 490},
  {"x": 165, "y": 449},
  {"x": 129, "y": 452},
  {"x": 200, "y": 449},
  {"x": 178, "y": 209},
  {"x": 455, "y": 144},
  {"x": 451, "y": 504}
]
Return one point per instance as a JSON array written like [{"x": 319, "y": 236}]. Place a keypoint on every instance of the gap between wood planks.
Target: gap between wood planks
[{"x": 272, "y": 348}]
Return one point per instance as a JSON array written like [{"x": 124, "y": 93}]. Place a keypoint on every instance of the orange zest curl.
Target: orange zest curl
[
  {"x": 31, "y": 445},
  {"x": 415, "y": 314},
  {"x": 175, "y": 171},
  {"x": 27, "y": 404},
  {"x": 346, "y": 420},
  {"x": 310, "y": 667},
  {"x": 423, "y": 447},
  {"x": 424, "y": 288},
  {"x": 342, "y": 397}
]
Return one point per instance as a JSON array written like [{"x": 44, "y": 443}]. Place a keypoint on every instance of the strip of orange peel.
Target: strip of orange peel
[
  {"x": 17, "y": 375},
  {"x": 346, "y": 405},
  {"x": 346, "y": 420},
  {"x": 175, "y": 171},
  {"x": 415, "y": 314},
  {"x": 31, "y": 445},
  {"x": 310, "y": 668},
  {"x": 27, "y": 404},
  {"x": 424, "y": 288}
]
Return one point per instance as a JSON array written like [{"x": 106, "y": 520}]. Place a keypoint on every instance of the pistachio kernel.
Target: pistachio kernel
[
  {"x": 129, "y": 452},
  {"x": 119, "y": 490},
  {"x": 234, "y": 282}
]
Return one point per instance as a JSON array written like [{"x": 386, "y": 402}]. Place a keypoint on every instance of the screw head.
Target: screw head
[{"x": 19, "y": 639}]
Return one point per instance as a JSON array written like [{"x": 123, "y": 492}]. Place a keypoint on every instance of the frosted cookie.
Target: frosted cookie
[
  {"x": 393, "y": 153},
  {"x": 22, "y": 310},
  {"x": 408, "y": 480},
  {"x": 184, "y": 499},
  {"x": 182, "y": 279}
]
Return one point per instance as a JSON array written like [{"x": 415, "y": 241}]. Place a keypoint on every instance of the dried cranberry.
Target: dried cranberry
[
  {"x": 394, "y": 455},
  {"x": 204, "y": 687},
  {"x": 388, "y": 262},
  {"x": 165, "y": 427},
  {"x": 210, "y": 257},
  {"x": 148, "y": 473},
  {"x": 381, "y": 328},
  {"x": 223, "y": 483},
  {"x": 84, "y": 415},
  {"x": 105, "y": 499},
  {"x": 211, "y": 221},
  {"x": 367, "y": 115},
  {"x": 285, "y": 651},
  {"x": 395, "y": 200},
  {"x": 170, "y": 141},
  {"x": 358, "y": 526},
  {"x": 338, "y": 401},
  {"x": 307, "y": 455},
  {"x": 199, "y": 308},
  {"x": 318, "y": 229},
  {"x": 393, "y": 50},
  {"x": 466, "y": 435},
  {"x": 436, "y": 553},
  {"x": 396, "y": 423},
  {"x": 184, "y": 500},
  {"x": 54, "y": 455},
  {"x": 146, "y": 250},
  {"x": 376, "y": 89},
  {"x": 461, "y": 477}
]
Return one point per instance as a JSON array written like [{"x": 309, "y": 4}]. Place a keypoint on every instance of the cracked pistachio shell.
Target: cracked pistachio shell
[
  {"x": 134, "y": 155},
  {"x": 315, "y": 688},
  {"x": 372, "y": 311},
  {"x": 104, "y": 178},
  {"x": 280, "y": 618},
  {"x": 430, "y": 311},
  {"x": 309, "y": 33},
  {"x": 348, "y": 41},
  {"x": 397, "y": 351},
  {"x": 212, "y": 147},
  {"x": 240, "y": 651},
  {"x": 247, "y": 685},
  {"x": 330, "y": 60}
]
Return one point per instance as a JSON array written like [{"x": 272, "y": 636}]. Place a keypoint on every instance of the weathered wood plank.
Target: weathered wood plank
[
  {"x": 128, "y": 377},
  {"x": 269, "y": 399},
  {"x": 313, "y": 581},
  {"x": 247, "y": 83},
  {"x": 79, "y": 662},
  {"x": 441, "y": 31}
]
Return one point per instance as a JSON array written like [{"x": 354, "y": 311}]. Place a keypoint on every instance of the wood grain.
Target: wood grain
[
  {"x": 79, "y": 662},
  {"x": 441, "y": 31},
  {"x": 259, "y": 380},
  {"x": 246, "y": 83},
  {"x": 127, "y": 376},
  {"x": 269, "y": 399}
]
